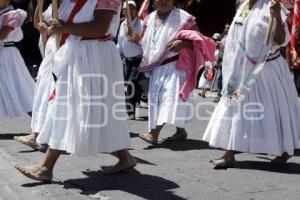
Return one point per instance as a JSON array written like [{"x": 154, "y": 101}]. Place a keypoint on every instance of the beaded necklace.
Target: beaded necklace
[{"x": 158, "y": 26}]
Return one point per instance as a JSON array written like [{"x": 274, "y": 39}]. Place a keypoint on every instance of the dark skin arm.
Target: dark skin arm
[
  {"x": 279, "y": 29},
  {"x": 177, "y": 45},
  {"x": 4, "y": 31},
  {"x": 36, "y": 19},
  {"x": 96, "y": 28}
]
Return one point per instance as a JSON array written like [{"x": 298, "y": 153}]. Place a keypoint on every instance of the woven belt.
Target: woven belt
[
  {"x": 9, "y": 44},
  {"x": 169, "y": 60},
  {"x": 274, "y": 55}
]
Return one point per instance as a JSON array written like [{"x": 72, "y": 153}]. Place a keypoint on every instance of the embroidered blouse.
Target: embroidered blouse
[{"x": 112, "y": 5}]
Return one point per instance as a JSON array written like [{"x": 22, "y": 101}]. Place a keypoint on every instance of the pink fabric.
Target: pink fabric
[
  {"x": 12, "y": 19},
  {"x": 108, "y": 5},
  {"x": 192, "y": 60}
]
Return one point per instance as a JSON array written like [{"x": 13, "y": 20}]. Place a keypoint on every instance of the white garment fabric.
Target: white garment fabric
[
  {"x": 266, "y": 119},
  {"x": 165, "y": 104},
  {"x": 125, "y": 46},
  {"x": 242, "y": 54},
  {"x": 88, "y": 113},
  {"x": 44, "y": 87},
  {"x": 44, "y": 82},
  {"x": 16, "y": 83}
]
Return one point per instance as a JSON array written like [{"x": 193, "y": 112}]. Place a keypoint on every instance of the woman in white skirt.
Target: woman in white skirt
[
  {"x": 44, "y": 81},
  {"x": 88, "y": 113},
  {"x": 259, "y": 110},
  {"x": 16, "y": 83},
  {"x": 160, "y": 52}
]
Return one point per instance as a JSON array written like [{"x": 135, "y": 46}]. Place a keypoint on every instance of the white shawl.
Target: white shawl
[
  {"x": 245, "y": 54},
  {"x": 176, "y": 21}
]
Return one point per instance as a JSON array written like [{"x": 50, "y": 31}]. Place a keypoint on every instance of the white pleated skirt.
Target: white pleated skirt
[
  {"x": 16, "y": 84},
  {"x": 43, "y": 88},
  {"x": 164, "y": 104},
  {"x": 266, "y": 121},
  {"x": 88, "y": 113}
]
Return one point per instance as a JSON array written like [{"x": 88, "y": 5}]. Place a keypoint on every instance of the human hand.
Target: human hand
[
  {"x": 56, "y": 27},
  {"x": 42, "y": 27}
]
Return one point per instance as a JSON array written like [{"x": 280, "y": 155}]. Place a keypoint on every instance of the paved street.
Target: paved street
[{"x": 175, "y": 171}]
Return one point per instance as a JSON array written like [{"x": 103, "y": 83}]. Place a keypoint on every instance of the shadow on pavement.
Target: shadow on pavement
[
  {"x": 10, "y": 136},
  {"x": 133, "y": 182},
  {"x": 186, "y": 145},
  {"x": 142, "y": 118},
  {"x": 288, "y": 168}
]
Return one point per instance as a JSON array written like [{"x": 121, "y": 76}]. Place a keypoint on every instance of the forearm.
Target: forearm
[
  {"x": 279, "y": 31},
  {"x": 187, "y": 43}
]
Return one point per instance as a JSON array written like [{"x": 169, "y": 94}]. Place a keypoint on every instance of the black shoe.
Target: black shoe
[{"x": 217, "y": 99}]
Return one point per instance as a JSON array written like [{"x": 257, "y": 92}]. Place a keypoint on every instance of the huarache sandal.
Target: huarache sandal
[
  {"x": 109, "y": 170},
  {"x": 147, "y": 137},
  {"x": 223, "y": 164},
  {"x": 24, "y": 140}
]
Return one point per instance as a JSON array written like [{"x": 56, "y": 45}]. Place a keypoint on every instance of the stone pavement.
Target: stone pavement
[{"x": 175, "y": 171}]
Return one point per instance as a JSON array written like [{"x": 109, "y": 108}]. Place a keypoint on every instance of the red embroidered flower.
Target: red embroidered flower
[{"x": 109, "y": 5}]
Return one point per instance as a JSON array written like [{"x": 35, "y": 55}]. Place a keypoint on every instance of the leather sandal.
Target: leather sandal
[
  {"x": 23, "y": 140},
  {"x": 109, "y": 170},
  {"x": 223, "y": 164},
  {"x": 146, "y": 138}
]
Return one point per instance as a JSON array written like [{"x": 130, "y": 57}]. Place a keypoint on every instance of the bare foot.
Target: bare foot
[
  {"x": 36, "y": 172},
  {"x": 120, "y": 167},
  {"x": 148, "y": 137}
]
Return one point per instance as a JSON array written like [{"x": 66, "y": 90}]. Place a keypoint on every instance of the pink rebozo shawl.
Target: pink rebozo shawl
[
  {"x": 191, "y": 60},
  {"x": 177, "y": 20},
  {"x": 14, "y": 18}
]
